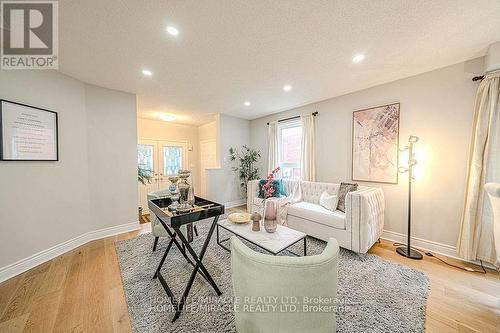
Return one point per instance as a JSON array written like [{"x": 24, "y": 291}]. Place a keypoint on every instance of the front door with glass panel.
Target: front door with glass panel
[
  {"x": 147, "y": 159},
  {"x": 162, "y": 159},
  {"x": 172, "y": 158}
]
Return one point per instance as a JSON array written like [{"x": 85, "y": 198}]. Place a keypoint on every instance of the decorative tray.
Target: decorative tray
[
  {"x": 239, "y": 218},
  {"x": 202, "y": 209}
]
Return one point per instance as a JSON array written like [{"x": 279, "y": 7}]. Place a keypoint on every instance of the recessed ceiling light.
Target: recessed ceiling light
[
  {"x": 167, "y": 117},
  {"x": 147, "y": 72},
  {"x": 172, "y": 30},
  {"x": 287, "y": 87},
  {"x": 358, "y": 58},
  {"x": 247, "y": 103}
]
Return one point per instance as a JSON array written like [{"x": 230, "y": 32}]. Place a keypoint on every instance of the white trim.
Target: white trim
[
  {"x": 36, "y": 259},
  {"x": 236, "y": 203},
  {"x": 435, "y": 247},
  {"x": 427, "y": 245}
]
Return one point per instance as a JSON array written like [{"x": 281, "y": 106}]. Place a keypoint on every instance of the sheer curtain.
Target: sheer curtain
[
  {"x": 272, "y": 160},
  {"x": 308, "y": 149},
  {"x": 476, "y": 233}
]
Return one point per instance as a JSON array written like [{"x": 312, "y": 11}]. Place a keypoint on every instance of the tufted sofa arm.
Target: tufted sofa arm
[
  {"x": 365, "y": 217},
  {"x": 252, "y": 193}
]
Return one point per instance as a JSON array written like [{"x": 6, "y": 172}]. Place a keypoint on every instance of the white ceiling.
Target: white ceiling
[{"x": 230, "y": 51}]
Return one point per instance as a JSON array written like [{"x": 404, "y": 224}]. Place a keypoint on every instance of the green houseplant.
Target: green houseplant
[
  {"x": 144, "y": 175},
  {"x": 245, "y": 162}
]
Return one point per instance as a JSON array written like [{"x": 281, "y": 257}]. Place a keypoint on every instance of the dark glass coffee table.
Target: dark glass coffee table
[{"x": 172, "y": 221}]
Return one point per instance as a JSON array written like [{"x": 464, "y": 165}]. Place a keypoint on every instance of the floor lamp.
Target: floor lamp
[{"x": 407, "y": 251}]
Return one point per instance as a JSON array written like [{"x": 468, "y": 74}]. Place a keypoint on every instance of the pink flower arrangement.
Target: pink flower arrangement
[
  {"x": 268, "y": 187},
  {"x": 269, "y": 190}
]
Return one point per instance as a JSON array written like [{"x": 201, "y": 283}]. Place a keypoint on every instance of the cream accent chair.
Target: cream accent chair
[
  {"x": 357, "y": 229},
  {"x": 493, "y": 190},
  {"x": 156, "y": 227},
  {"x": 260, "y": 275}
]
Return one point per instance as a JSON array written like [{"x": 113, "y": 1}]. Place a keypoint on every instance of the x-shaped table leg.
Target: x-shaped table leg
[
  {"x": 199, "y": 265},
  {"x": 182, "y": 249}
]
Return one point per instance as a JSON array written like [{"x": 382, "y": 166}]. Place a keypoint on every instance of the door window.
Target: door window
[
  {"x": 145, "y": 157},
  {"x": 172, "y": 160}
]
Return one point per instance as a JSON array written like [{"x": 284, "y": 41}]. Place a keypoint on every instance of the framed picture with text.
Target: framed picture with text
[{"x": 27, "y": 133}]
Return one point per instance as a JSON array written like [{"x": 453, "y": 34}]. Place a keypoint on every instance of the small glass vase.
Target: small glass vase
[
  {"x": 184, "y": 189},
  {"x": 270, "y": 216},
  {"x": 190, "y": 199},
  {"x": 183, "y": 185}
]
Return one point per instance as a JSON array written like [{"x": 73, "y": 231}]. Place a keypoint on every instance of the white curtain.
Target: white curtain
[
  {"x": 308, "y": 149},
  {"x": 272, "y": 159},
  {"x": 476, "y": 233}
]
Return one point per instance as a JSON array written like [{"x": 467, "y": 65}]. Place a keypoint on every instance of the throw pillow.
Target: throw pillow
[
  {"x": 343, "y": 190},
  {"x": 282, "y": 188},
  {"x": 278, "y": 188},
  {"x": 328, "y": 201}
]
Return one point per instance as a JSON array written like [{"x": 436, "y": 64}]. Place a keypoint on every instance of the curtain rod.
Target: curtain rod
[
  {"x": 481, "y": 77},
  {"x": 295, "y": 117}
]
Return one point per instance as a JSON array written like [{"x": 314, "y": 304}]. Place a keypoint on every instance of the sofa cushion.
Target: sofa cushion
[
  {"x": 328, "y": 201},
  {"x": 318, "y": 214},
  {"x": 343, "y": 190},
  {"x": 277, "y": 184},
  {"x": 311, "y": 191}
]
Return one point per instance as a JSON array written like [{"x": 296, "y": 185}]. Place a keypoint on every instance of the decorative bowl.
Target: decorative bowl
[{"x": 239, "y": 217}]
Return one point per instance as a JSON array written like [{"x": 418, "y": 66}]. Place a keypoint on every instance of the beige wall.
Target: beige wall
[
  {"x": 112, "y": 154},
  {"x": 208, "y": 131},
  {"x": 223, "y": 183},
  {"x": 161, "y": 130},
  {"x": 436, "y": 106},
  {"x": 44, "y": 204}
]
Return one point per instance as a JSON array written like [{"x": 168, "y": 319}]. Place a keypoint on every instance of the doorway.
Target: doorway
[{"x": 162, "y": 159}]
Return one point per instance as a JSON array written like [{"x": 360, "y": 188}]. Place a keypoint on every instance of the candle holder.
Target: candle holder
[{"x": 174, "y": 193}]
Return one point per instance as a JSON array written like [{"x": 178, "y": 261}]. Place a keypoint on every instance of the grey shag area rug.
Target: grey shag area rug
[{"x": 373, "y": 294}]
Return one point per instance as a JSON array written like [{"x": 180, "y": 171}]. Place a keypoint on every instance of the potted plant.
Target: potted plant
[
  {"x": 246, "y": 160},
  {"x": 144, "y": 176}
]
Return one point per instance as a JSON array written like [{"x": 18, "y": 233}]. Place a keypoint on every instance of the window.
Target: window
[
  {"x": 172, "y": 160},
  {"x": 289, "y": 141},
  {"x": 145, "y": 157}
]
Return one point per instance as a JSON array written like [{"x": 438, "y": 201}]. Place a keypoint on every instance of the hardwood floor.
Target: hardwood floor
[{"x": 81, "y": 291}]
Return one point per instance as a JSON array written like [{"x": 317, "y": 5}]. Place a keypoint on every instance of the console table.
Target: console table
[{"x": 172, "y": 221}]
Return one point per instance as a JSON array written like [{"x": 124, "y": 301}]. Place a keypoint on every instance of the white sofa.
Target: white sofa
[{"x": 357, "y": 229}]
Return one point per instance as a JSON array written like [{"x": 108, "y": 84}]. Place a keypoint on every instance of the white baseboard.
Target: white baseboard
[
  {"x": 235, "y": 203},
  {"x": 435, "y": 247},
  {"x": 36, "y": 259},
  {"x": 427, "y": 245}
]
